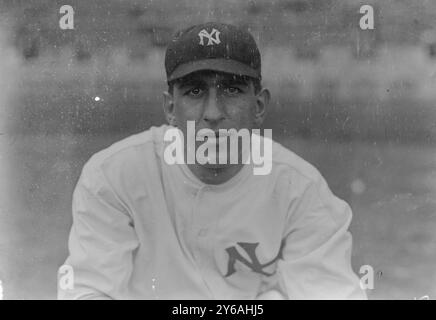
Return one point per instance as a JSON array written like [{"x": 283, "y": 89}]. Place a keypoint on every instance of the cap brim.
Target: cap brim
[{"x": 222, "y": 65}]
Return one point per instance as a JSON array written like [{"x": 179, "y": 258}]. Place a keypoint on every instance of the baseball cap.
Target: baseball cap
[{"x": 213, "y": 46}]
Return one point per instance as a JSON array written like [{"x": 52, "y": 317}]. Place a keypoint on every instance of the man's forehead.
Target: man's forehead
[{"x": 212, "y": 76}]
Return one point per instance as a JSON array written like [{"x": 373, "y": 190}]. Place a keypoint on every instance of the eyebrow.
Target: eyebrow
[
  {"x": 190, "y": 82},
  {"x": 232, "y": 80},
  {"x": 235, "y": 81}
]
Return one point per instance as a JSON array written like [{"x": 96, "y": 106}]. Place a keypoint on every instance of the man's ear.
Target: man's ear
[
  {"x": 168, "y": 107},
  {"x": 262, "y": 102}
]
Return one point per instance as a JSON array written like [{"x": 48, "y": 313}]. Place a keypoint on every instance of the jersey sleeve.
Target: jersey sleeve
[
  {"x": 316, "y": 260},
  {"x": 101, "y": 242}
]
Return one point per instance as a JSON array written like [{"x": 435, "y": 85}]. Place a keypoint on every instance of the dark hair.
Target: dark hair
[{"x": 256, "y": 84}]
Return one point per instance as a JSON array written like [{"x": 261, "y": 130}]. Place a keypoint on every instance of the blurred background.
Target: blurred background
[{"x": 358, "y": 104}]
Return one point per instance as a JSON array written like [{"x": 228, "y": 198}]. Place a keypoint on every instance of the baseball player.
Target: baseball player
[{"x": 146, "y": 229}]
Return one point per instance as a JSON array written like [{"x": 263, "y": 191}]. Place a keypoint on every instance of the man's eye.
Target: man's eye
[
  {"x": 232, "y": 90},
  {"x": 195, "y": 92}
]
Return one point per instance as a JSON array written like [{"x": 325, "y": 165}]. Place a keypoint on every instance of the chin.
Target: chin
[
  {"x": 215, "y": 166},
  {"x": 218, "y": 166}
]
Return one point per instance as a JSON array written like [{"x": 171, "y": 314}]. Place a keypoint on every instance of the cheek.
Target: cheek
[
  {"x": 242, "y": 112},
  {"x": 187, "y": 111}
]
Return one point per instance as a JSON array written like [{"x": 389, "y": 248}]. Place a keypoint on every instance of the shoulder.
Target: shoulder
[
  {"x": 292, "y": 166},
  {"x": 303, "y": 184},
  {"x": 125, "y": 151},
  {"x": 147, "y": 140},
  {"x": 125, "y": 162}
]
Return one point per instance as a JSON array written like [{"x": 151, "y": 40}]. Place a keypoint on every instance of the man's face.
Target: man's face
[{"x": 215, "y": 101}]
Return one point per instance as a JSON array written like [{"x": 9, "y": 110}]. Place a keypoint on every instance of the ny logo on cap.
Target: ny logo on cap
[{"x": 213, "y": 37}]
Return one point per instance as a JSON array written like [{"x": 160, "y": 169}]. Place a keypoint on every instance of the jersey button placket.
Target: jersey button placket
[
  {"x": 202, "y": 222},
  {"x": 202, "y": 232},
  {"x": 204, "y": 217},
  {"x": 194, "y": 225},
  {"x": 208, "y": 214}
]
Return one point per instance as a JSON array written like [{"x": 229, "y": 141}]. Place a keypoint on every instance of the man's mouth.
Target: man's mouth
[{"x": 219, "y": 135}]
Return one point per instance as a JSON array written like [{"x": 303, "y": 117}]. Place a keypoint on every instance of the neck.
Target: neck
[{"x": 215, "y": 175}]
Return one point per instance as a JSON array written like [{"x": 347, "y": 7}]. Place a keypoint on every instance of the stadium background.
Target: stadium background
[{"x": 359, "y": 105}]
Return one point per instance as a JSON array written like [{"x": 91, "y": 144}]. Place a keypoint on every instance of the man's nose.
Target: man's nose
[{"x": 213, "y": 110}]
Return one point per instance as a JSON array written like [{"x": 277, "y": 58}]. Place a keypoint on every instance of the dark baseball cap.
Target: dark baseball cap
[{"x": 213, "y": 46}]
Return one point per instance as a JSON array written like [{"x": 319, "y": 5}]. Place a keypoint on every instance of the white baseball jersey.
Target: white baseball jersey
[{"x": 143, "y": 229}]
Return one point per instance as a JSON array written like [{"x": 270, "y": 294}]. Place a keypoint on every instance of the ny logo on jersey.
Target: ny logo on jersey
[
  {"x": 253, "y": 263},
  {"x": 213, "y": 37}
]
